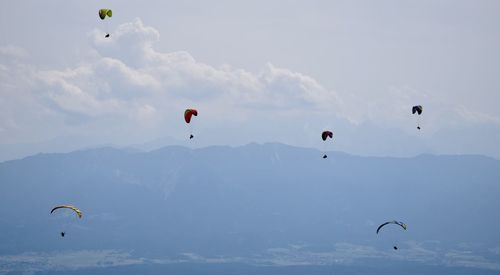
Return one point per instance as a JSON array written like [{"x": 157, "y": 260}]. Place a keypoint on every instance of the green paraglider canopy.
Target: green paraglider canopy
[{"x": 105, "y": 12}]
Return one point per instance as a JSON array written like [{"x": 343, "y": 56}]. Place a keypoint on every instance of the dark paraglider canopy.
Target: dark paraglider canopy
[
  {"x": 326, "y": 134},
  {"x": 403, "y": 225},
  {"x": 417, "y": 109}
]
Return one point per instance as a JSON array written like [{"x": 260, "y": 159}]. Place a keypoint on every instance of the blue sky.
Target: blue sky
[{"x": 263, "y": 71}]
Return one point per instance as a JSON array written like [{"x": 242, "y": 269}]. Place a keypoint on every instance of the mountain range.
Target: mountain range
[{"x": 261, "y": 202}]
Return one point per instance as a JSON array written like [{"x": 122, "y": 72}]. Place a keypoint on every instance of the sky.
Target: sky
[{"x": 257, "y": 71}]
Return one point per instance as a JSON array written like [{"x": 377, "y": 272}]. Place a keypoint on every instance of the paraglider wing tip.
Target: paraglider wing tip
[{"x": 102, "y": 14}]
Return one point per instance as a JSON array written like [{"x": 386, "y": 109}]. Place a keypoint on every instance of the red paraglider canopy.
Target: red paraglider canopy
[{"x": 189, "y": 113}]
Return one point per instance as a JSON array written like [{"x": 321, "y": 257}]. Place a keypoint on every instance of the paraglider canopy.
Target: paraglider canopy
[
  {"x": 403, "y": 225},
  {"x": 417, "y": 109},
  {"x": 105, "y": 12},
  {"x": 326, "y": 134},
  {"x": 189, "y": 113},
  {"x": 75, "y": 209}
]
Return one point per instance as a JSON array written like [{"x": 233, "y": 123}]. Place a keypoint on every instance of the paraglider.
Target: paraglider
[
  {"x": 417, "y": 109},
  {"x": 188, "y": 114},
  {"x": 403, "y": 225},
  {"x": 103, "y": 13},
  {"x": 325, "y": 135},
  {"x": 77, "y": 211}
]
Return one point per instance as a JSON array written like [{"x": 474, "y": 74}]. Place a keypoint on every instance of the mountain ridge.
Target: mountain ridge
[{"x": 266, "y": 144}]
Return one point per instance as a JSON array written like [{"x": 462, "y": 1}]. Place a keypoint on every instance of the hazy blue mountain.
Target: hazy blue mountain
[
  {"x": 62, "y": 144},
  {"x": 257, "y": 205}
]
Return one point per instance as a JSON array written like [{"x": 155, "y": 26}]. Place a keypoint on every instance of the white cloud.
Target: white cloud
[
  {"x": 178, "y": 75},
  {"x": 67, "y": 260},
  {"x": 468, "y": 259},
  {"x": 355, "y": 254},
  {"x": 128, "y": 80}
]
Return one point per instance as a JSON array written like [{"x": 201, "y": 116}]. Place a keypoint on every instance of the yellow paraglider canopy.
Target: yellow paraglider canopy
[{"x": 77, "y": 211}]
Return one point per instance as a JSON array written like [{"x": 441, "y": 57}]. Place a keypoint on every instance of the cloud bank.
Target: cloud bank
[{"x": 344, "y": 254}]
